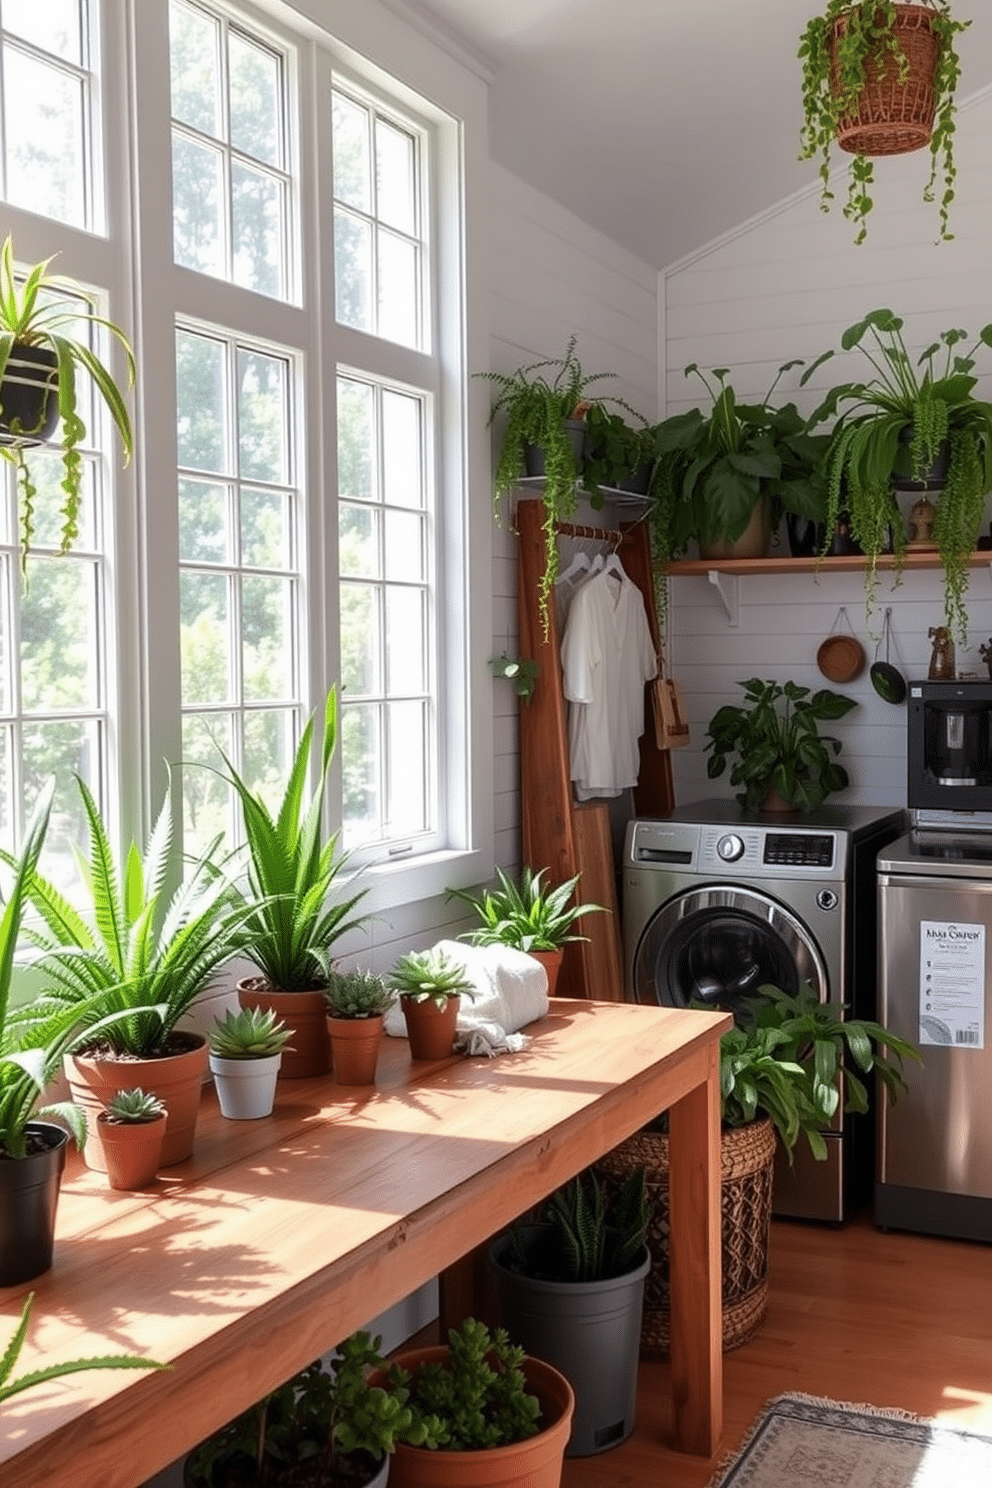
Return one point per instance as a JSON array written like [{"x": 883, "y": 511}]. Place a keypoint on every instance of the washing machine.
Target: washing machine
[{"x": 718, "y": 902}]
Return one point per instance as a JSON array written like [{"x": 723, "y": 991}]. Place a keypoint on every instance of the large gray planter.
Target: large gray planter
[{"x": 590, "y": 1330}]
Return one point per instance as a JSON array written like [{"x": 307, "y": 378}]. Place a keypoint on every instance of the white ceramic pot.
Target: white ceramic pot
[{"x": 246, "y": 1088}]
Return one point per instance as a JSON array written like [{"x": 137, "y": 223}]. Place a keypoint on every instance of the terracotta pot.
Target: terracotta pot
[
  {"x": 551, "y": 961},
  {"x": 305, "y": 1015},
  {"x": 430, "y": 1028},
  {"x": 355, "y": 1048},
  {"x": 29, "y": 1196},
  {"x": 177, "y": 1080},
  {"x": 132, "y": 1150},
  {"x": 534, "y": 1463},
  {"x": 777, "y": 805}
]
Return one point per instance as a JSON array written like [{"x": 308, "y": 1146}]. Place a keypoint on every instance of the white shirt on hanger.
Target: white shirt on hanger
[{"x": 607, "y": 655}]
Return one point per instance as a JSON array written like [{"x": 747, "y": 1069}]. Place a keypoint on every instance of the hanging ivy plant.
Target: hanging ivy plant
[{"x": 836, "y": 59}]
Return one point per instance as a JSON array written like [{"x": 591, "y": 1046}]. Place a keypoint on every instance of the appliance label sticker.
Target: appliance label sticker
[{"x": 952, "y": 984}]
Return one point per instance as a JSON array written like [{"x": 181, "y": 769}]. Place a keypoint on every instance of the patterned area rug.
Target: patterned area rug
[{"x": 800, "y": 1441}]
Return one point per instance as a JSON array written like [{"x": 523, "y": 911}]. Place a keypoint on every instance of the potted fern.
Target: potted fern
[
  {"x": 246, "y": 1050},
  {"x": 879, "y": 78}
]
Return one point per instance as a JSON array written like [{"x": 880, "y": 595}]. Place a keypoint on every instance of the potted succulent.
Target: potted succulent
[
  {"x": 483, "y": 1413},
  {"x": 44, "y": 321},
  {"x": 526, "y": 914},
  {"x": 430, "y": 985},
  {"x": 570, "y": 1289},
  {"x": 132, "y": 1127},
  {"x": 357, "y": 1002},
  {"x": 246, "y": 1050},
  {"x": 12, "y": 1352},
  {"x": 880, "y": 79},
  {"x": 782, "y": 1074},
  {"x": 32, "y": 1042},
  {"x": 783, "y": 762},
  {"x": 293, "y": 911},
  {"x": 131, "y": 967},
  {"x": 916, "y": 430},
  {"x": 324, "y": 1428}
]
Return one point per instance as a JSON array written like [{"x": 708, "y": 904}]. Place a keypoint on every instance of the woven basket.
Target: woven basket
[
  {"x": 747, "y": 1157},
  {"x": 894, "y": 117}
]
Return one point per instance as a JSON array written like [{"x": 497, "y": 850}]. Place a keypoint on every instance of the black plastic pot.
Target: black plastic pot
[
  {"x": 29, "y": 399},
  {"x": 575, "y": 430},
  {"x": 29, "y": 1196},
  {"x": 805, "y": 535},
  {"x": 930, "y": 480}
]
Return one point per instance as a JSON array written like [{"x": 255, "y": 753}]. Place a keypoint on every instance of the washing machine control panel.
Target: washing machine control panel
[{"x": 800, "y": 849}]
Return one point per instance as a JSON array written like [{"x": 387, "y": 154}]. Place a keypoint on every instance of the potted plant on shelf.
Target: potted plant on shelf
[
  {"x": 357, "y": 1002},
  {"x": 44, "y": 322},
  {"x": 570, "y": 1289},
  {"x": 783, "y": 762},
  {"x": 618, "y": 453},
  {"x": 12, "y": 1352},
  {"x": 483, "y": 1412},
  {"x": 131, "y": 967},
  {"x": 293, "y": 911},
  {"x": 914, "y": 430},
  {"x": 246, "y": 1050},
  {"x": 880, "y": 79},
  {"x": 782, "y": 1074},
  {"x": 131, "y": 1127},
  {"x": 526, "y": 914},
  {"x": 324, "y": 1428},
  {"x": 430, "y": 986}
]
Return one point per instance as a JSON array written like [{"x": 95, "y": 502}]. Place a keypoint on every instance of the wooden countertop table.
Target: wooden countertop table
[{"x": 280, "y": 1237}]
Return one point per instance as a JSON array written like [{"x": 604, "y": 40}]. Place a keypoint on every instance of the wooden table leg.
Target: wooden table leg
[{"x": 694, "y": 1266}]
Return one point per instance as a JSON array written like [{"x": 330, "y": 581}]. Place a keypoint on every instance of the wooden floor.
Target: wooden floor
[{"x": 854, "y": 1314}]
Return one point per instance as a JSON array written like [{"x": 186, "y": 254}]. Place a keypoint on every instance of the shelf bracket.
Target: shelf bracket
[{"x": 728, "y": 588}]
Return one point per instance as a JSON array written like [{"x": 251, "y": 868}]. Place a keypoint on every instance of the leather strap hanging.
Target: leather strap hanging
[{"x": 671, "y": 726}]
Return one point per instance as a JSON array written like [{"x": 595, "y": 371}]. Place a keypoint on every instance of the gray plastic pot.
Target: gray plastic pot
[{"x": 590, "y": 1330}]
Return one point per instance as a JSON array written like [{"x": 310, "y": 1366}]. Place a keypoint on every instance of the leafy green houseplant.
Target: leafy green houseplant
[
  {"x": 852, "y": 44},
  {"x": 10, "y": 1387},
  {"x": 893, "y": 427},
  {"x": 618, "y": 451},
  {"x": 776, "y": 739},
  {"x": 324, "y": 1428},
  {"x": 43, "y": 321}
]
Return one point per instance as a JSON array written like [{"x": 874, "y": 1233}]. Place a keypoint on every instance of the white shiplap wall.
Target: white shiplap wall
[
  {"x": 553, "y": 276},
  {"x": 786, "y": 285}
]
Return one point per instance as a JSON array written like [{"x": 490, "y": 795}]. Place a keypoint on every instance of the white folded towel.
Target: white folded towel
[{"x": 511, "y": 989}]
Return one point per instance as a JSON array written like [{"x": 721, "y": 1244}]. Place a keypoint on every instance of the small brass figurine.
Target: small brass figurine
[{"x": 942, "y": 656}]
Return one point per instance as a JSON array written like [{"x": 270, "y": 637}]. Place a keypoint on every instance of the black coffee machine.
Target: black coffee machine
[{"x": 949, "y": 748}]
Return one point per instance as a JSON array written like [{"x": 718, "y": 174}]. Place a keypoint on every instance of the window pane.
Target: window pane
[
  {"x": 360, "y": 633},
  {"x": 265, "y": 535},
  {"x": 352, "y": 169},
  {"x": 63, "y": 749},
  {"x": 197, "y": 197},
  {"x": 207, "y": 804},
  {"x": 404, "y": 546},
  {"x": 257, "y": 230},
  {"x": 395, "y": 202},
  {"x": 352, "y": 271},
  {"x": 53, "y": 27},
  {"x": 195, "y": 67},
  {"x": 402, "y": 476},
  {"x": 205, "y": 638},
  {"x": 47, "y": 473},
  {"x": 270, "y": 742},
  {"x": 204, "y": 524},
  {"x": 398, "y": 315},
  {"x": 59, "y": 636},
  {"x": 6, "y": 793},
  {"x": 255, "y": 96},
  {"x": 358, "y": 544},
  {"x": 202, "y": 431},
  {"x": 406, "y": 667},
  {"x": 356, "y": 439},
  {"x": 407, "y": 755},
  {"x": 266, "y": 635},
  {"x": 43, "y": 123},
  {"x": 360, "y": 739},
  {"x": 262, "y": 416}
]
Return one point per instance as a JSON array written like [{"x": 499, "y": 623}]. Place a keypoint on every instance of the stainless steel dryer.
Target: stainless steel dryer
[{"x": 717, "y": 903}]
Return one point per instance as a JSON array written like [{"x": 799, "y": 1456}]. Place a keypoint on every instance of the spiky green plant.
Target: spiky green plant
[
  {"x": 134, "y": 963},
  {"x": 10, "y": 1387},
  {"x": 253, "y": 1033},
  {"x": 430, "y": 974},
  {"x": 358, "y": 994},
  {"x": 134, "y": 1107},
  {"x": 292, "y": 912},
  {"x": 585, "y": 1234},
  {"x": 525, "y": 914}
]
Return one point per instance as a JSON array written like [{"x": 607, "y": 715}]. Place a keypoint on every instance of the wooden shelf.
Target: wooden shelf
[{"x": 787, "y": 564}]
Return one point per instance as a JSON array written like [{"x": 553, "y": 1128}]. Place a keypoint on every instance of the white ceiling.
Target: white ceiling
[{"x": 662, "y": 123}]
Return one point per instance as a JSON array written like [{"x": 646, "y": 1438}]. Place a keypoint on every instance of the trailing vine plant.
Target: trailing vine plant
[{"x": 829, "y": 93}]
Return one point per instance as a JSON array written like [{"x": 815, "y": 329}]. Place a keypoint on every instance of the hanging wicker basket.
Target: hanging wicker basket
[
  {"x": 747, "y": 1158},
  {"x": 893, "y": 117}
]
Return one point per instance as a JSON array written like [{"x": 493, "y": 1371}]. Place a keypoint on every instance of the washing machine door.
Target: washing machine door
[{"x": 717, "y": 945}]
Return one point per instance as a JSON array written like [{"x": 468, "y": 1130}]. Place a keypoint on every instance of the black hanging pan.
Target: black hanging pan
[{"x": 887, "y": 680}]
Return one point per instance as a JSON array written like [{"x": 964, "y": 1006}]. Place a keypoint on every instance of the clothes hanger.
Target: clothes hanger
[{"x": 580, "y": 563}]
